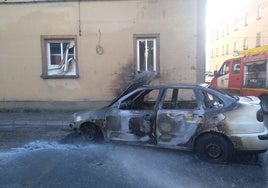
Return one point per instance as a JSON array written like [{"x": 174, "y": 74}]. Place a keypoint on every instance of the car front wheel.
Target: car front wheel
[
  {"x": 90, "y": 132},
  {"x": 214, "y": 148}
]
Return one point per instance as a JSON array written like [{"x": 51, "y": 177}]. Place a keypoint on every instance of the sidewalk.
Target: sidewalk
[
  {"x": 42, "y": 113},
  {"x": 40, "y": 118}
]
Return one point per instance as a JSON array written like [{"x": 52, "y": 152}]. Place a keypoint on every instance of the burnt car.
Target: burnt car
[{"x": 190, "y": 117}]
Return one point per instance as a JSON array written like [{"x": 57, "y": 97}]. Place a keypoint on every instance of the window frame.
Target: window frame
[
  {"x": 245, "y": 43},
  {"x": 212, "y": 53},
  {"x": 207, "y": 100},
  {"x": 227, "y": 49},
  {"x": 236, "y": 66},
  {"x": 225, "y": 68},
  {"x": 156, "y": 37},
  {"x": 236, "y": 24},
  {"x": 175, "y": 100},
  {"x": 246, "y": 19},
  {"x": 236, "y": 46},
  {"x": 223, "y": 50},
  {"x": 45, "y": 40},
  {"x": 259, "y": 12},
  {"x": 258, "y": 39},
  {"x": 133, "y": 101}
]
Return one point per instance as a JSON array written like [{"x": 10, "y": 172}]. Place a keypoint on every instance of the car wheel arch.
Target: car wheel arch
[{"x": 84, "y": 128}]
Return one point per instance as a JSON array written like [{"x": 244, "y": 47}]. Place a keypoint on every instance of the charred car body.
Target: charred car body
[{"x": 180, "y": 116}]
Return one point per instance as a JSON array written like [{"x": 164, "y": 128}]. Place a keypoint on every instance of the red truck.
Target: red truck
[{"x": 246, "y": 75}]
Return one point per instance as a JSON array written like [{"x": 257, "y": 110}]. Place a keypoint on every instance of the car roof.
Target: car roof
[
  {"x": 229, "y": 100},
  {"x": 178, "y": 85}
]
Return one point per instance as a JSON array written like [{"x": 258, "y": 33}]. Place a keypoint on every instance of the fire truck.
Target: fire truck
[{"x": 245, "y": 75}]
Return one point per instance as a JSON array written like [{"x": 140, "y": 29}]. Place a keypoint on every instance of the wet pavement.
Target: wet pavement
[
  {"x": 55, "y": 164},
  {"x": 17, "y": 128}
]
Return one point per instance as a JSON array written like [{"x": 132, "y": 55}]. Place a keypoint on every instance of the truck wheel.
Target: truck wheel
[{"x": 214, "y": 148}]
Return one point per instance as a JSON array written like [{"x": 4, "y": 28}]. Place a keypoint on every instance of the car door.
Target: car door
[
  {"x": 178, "y": 117},
  {"x": 223, "y": 76},
  {"x": 235, "y": 76},
  {"x": 134, "y": 116}
]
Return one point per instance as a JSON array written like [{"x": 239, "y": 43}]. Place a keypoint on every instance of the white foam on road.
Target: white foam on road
[{"x": 38, "y": 145}]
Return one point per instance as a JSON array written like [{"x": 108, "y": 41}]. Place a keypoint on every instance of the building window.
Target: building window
[
  {"x": 246, "y": 19},
  {"x": 235, "y": 46},
  {"x": 147, "y": 52},
  {"x": 212, "y": 37},
  {"x": 59, "y": 57},
  {"x": 258, "y": 39},
  {"x": 227, "y": 49},
  {"x": 236, "y": 25},
  {"x": 223, "y": 50},
  {"x": 259, "y": 13},
  {"x": 245, "y": 44},
  {"x": 217, "y": 35},
  {"x": 211, "y": 54}
]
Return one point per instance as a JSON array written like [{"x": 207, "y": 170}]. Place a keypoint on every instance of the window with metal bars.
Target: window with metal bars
[{"x": 147, "y": 52}]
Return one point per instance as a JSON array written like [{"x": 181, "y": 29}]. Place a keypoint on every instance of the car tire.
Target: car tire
[
  {"x": 214, "y": 148},
  {"x": 90, "y": 132}
]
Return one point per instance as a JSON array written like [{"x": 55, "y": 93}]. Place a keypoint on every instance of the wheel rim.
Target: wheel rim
[
  {"x": 89, "y": 132},
  {"x": 213, "y": 150}
]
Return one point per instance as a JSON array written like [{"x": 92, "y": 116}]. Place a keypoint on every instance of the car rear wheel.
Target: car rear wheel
[
  {"x": 91, "y": 132},
  {"x": 214, "y": 148}
]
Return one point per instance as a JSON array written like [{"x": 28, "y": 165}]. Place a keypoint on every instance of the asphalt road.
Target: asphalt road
[{"x": 55, "y": 157}]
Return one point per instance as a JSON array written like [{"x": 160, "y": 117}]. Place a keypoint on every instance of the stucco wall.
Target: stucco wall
[{"x": 21, "y": 26}]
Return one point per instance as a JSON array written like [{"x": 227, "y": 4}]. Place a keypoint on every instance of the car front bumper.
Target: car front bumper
[{"x": 74, "y": 126}]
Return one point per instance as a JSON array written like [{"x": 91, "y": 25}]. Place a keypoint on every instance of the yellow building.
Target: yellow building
[
  {"x": 88, "y": 50},
  {"x": 244, "y": 30}
]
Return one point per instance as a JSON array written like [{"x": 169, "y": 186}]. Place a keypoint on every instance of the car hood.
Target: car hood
[
  {"x": 89, "y": 115},
  {"x": 249, "y": 100},
  {"x": 139, "y": 80}
]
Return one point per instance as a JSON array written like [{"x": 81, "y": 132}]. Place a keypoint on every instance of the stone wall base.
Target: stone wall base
[{"x": 65, "y": 106}]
